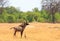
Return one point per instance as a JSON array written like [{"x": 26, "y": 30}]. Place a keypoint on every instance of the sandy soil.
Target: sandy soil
[{"x": 34, "y": 32}]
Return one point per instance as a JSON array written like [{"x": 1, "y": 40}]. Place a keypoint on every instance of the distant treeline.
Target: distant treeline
[{"x": 14, "y": 15}]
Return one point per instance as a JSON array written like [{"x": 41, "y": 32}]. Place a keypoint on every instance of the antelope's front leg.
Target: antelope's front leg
[{"x": 21, "y": 33}]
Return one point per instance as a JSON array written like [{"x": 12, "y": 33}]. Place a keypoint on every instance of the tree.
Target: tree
[
  {"x": 2, "y": 4},
  {"x": 52, "y": 6},
  {"x": 35, "y": 9}
]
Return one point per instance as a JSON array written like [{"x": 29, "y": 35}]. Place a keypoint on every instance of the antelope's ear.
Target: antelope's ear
[{"x": 26, "y": 21}]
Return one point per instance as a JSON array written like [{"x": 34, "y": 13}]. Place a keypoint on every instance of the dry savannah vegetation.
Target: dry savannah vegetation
[{"x": 34, "y": 32}]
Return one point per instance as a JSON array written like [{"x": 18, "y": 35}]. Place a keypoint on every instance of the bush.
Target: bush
[{"x": 57, "y": 17}]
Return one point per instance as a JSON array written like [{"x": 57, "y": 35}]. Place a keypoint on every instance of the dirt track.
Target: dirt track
[{"x": 34, "y": 32}]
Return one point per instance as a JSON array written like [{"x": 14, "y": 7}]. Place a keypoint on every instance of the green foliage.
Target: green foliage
[
  {"x": 11, "y": 14},
  {"x": 57, "y": 17}
]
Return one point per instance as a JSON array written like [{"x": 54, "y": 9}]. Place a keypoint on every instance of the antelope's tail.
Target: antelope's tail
[{"x": 12, "y": 27}]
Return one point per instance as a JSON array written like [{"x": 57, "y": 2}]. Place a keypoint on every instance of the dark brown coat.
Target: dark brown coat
[{"x": 20, "y": 28}]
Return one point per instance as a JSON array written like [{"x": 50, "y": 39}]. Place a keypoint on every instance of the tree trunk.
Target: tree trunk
[{"x": 53, "y": 18}]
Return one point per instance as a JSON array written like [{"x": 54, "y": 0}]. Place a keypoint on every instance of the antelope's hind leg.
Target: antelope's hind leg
[{"x": 15, "y": 33}]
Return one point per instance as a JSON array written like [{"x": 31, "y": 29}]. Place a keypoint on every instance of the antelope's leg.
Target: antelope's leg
[
  {"x": 25, "y": 35},
  {"x": 21, "y": 33},
  {"x": 15, "y": 33}
]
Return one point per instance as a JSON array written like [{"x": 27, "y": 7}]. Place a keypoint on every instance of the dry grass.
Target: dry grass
[{"x": 34, "y": 32}]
